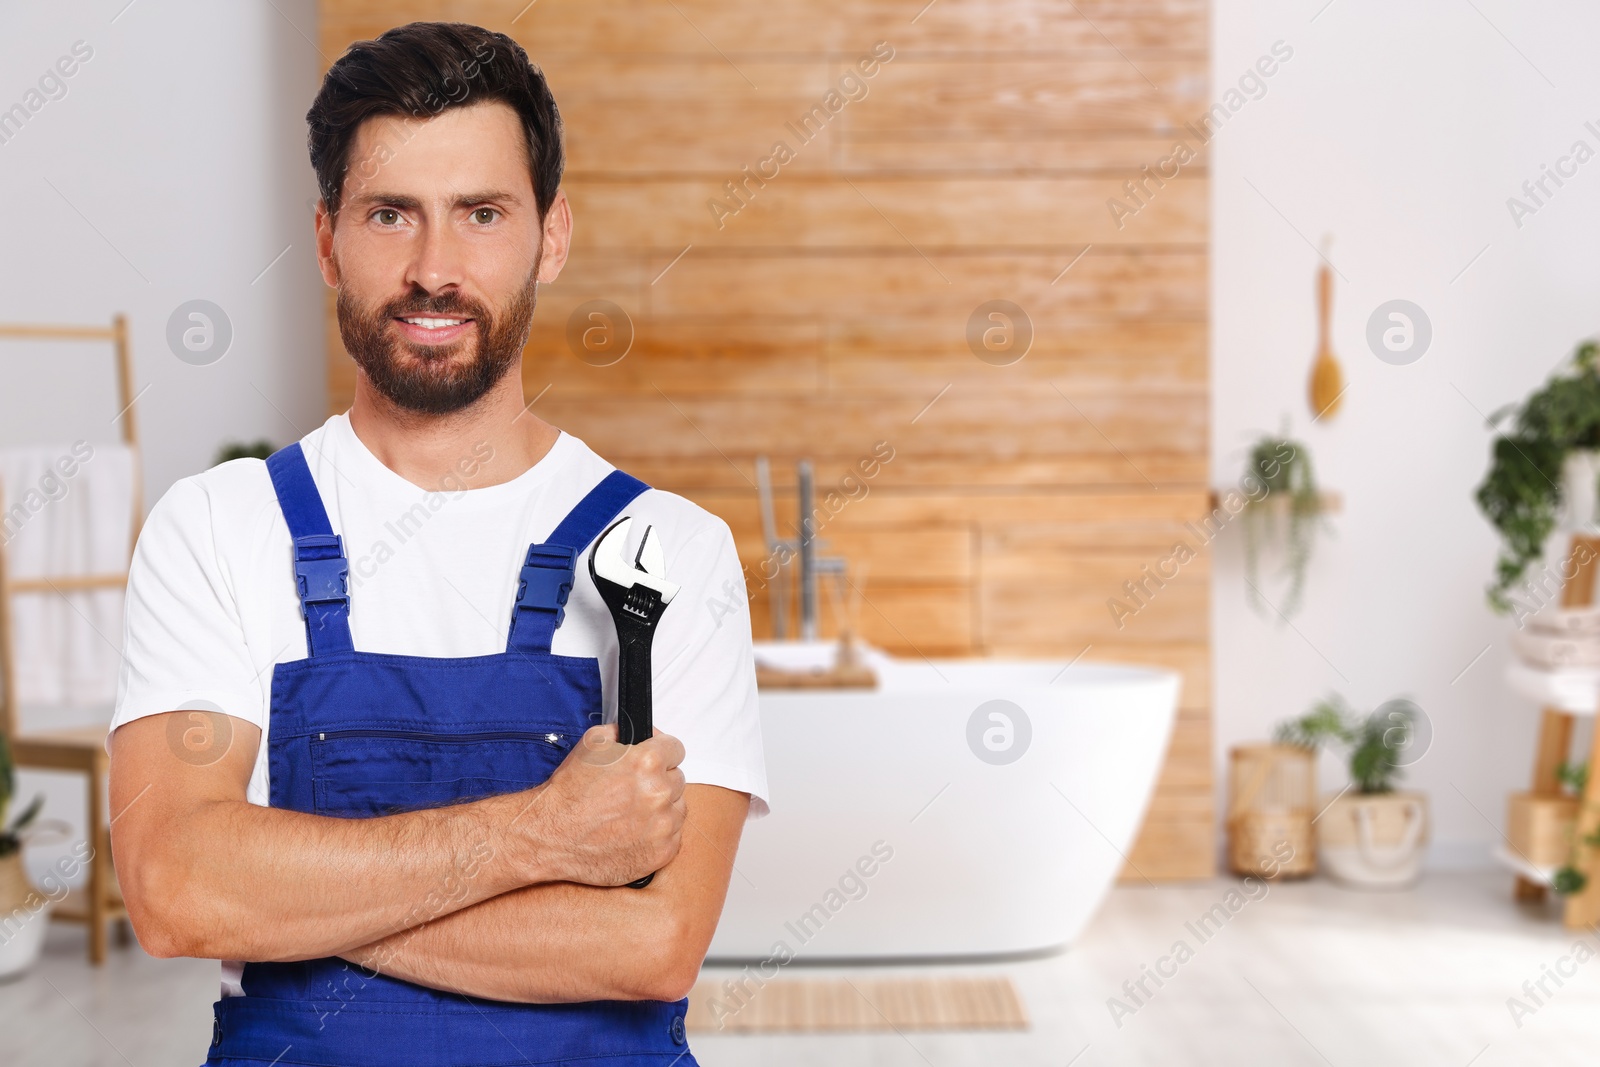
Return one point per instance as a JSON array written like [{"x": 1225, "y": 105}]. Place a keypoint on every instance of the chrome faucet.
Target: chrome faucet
[
  {"x": 777, "y": 551},
  {"x": 808, "y": 555},
  {"x": 803, "y": 549}
]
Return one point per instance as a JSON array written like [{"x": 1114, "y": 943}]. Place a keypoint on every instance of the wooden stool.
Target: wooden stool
[
  {"x": 100, "y": 903},
  {"x": 80, "y": 749}
]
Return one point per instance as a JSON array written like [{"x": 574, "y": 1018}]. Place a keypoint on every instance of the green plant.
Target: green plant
[
  {"x": 1324, "y": 723},
  {"x": 1569, "y": 880},
  {"x": 1279, "y": 469},
  {"x": 244, "y": 450},
  {"x": 11, "y": 833},
  {"x": 1375, "y": 741},
  {"x": 1521, "y": 494}
]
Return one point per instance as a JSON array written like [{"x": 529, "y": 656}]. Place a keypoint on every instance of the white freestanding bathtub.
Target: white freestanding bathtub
[{"x": 929, "y": 818}]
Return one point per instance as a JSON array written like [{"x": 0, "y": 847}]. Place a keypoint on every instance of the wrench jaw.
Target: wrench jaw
[{"x": 646, "y": 572}]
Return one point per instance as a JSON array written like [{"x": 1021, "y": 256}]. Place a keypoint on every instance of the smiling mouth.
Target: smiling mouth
[{"x": 432, "y": 323}]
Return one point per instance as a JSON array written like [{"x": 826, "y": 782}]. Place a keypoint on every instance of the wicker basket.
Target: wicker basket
[
  {"x": 1271, "y": 791},
  {"x": 1540, "y": 828}
]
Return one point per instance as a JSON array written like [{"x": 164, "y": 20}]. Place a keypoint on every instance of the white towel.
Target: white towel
[{"x": 67, "y": 511}]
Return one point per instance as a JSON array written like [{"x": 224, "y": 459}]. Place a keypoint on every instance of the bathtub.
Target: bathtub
[{"x": 930, "y": 818}]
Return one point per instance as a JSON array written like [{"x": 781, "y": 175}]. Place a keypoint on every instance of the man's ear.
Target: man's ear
[
  {"x": 556, "y": 240},
  {"x": 325, "y": 260}
]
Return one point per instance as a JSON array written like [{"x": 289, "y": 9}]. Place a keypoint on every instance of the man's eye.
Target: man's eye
[
  {"x": 386, "y": 216},
  {"x": 485, "y": 215}
]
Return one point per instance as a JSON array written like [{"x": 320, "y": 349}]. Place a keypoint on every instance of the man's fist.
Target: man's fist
[{"x": 611, "y": 813}]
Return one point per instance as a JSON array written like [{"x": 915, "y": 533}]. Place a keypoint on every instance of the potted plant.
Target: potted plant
[
  {"x": 1568, "y": 879},
  {"x": 232, "y": 450},
  {"x": 22, "y": 918},
  {"x": 1543, "y": 469},
  {"x": 1281, "y": 514},
  {"x": 1370, "y": 834}
]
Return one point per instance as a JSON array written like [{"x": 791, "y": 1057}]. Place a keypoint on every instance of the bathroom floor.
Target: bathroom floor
[{"x": 1303, "y": 974}]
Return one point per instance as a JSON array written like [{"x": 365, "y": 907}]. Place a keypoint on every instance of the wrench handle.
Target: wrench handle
[{"x": 634, "y": 719}]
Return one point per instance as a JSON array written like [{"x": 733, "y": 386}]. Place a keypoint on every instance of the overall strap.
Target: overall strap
[
  {"x": 547, "y": 572},
  {"x": 321, "y": 572}
]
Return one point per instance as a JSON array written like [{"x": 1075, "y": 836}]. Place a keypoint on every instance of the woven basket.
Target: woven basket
[
  {"x": 1256, "y": 840},
  {"x": 1270, "y": 806}
]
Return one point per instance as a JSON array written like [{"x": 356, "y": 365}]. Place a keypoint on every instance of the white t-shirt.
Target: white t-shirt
[{"x": 211, "y": 602}]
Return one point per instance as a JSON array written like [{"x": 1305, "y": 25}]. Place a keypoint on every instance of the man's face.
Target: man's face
[{"x": 437, "y": 254}]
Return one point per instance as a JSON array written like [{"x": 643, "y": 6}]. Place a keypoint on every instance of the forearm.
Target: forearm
[
  {"x": 206, "y": 874},
  {"x": 559, "y": 943},
  {"x": 241, "y": 881},
  {"x": 546, "y": 944}
]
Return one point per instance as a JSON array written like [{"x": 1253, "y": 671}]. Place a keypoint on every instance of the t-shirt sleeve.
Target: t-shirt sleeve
[
  {"x": 183, "y": 640},
  {"x": 704, "y": 684}
]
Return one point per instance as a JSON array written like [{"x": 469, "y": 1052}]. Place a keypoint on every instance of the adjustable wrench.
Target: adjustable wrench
[{"x": 637, "y": 594}]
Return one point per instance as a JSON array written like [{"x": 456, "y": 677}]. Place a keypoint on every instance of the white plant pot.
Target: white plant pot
[
  {"x": 24, "y": 916},
  {"x": 21, "y": 938},
  {"x": 1374, "y": 842}
]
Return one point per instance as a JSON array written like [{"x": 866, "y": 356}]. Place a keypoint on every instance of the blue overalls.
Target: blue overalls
[{"x": 358, "y": 734}]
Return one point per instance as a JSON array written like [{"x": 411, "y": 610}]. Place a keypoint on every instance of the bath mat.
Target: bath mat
[{"x": 832, "y": 1005}]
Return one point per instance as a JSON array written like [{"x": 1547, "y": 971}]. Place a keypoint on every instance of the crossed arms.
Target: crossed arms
[{"x": 510, "y": 897}]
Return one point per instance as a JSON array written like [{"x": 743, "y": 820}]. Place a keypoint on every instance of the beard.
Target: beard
[{"x": 436, "y": 379}]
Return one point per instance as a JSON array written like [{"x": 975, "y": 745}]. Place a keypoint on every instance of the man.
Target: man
[{"x": 361, "y": 742}]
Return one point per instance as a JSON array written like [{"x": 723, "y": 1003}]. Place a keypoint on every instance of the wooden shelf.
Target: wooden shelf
[
  {"x": 1570, "y": 690},
  {"x": 1329, "y": 503},
  {"x": 1545, "y": 876}
]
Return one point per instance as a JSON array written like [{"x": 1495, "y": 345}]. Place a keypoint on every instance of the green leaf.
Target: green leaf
[
  {"x": 1521, "y": 493},
  {"x": 1575, "y": 776},
  {"x": 1569, "y": 880},
  {"x": 8, "y": 783},
  {"x": 244, "y": 450},
  {"x": 1280, "y": 469},
  {"x": 29, "y": 813},
  {"x": 1326, "y": 722}
]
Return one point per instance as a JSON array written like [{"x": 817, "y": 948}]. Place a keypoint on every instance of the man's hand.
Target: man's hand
[{"x": 611, "y": 813}]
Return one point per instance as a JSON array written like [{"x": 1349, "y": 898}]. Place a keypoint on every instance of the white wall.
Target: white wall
[
  {"x": 1401, "y": 129},
  {"x": 179, "y": 154}
]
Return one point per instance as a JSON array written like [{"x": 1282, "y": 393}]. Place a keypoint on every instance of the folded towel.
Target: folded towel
[
  {"x": 1573, "y": 622},
  {"x": 1549, "y": 650},
  {"x": 67, "y": 511}
]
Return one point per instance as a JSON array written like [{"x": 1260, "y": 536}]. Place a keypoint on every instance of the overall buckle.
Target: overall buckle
[
  {"x": 322, "y": 574},
  {"x": 547, "y": 579}
]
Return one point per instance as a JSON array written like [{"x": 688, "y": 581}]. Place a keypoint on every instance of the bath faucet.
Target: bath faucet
[
  {"x": 808, "y": 552},
  {"x": 803, "y": 549},
  {"x": 777, "y": 551},
  {"x": 811, "y": 565}
]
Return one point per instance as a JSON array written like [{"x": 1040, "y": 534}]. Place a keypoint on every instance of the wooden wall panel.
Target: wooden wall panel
[
  {"x": 924, "y": 216},
  {"x": 825, "y": 312},
  {"x": 807, "y": 27}
]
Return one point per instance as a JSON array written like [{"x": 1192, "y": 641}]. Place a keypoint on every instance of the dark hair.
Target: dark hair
[{"x": 422, "y": 69}]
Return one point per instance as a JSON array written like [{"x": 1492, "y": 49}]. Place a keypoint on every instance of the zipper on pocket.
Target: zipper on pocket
[{"x": 549, "y": 737}]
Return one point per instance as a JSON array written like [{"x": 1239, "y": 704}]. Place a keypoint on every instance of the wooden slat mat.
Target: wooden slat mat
[{"x": 830, "y": 1005}]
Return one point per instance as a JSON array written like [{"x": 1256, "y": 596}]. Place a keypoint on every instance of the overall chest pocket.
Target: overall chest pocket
[{"x": 362, "y": 773}]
